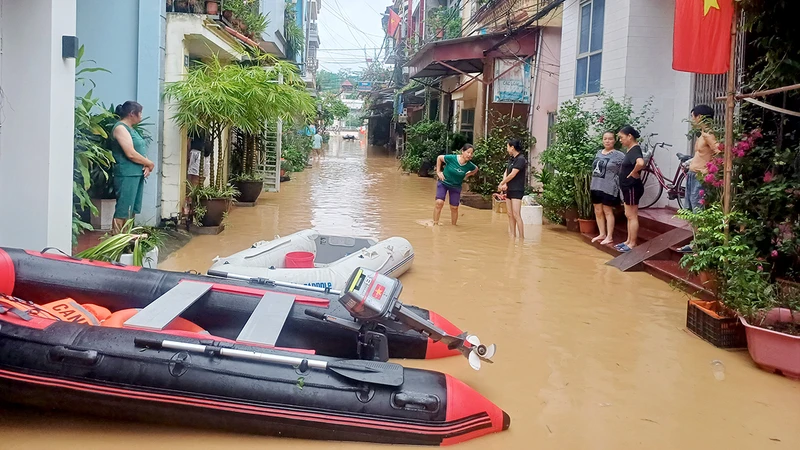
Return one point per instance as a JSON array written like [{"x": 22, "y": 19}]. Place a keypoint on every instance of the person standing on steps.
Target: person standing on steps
[
  {"x": 605, "y": 187},
  {"x": 513, "y": 184},
  {"x": 630, "y": 183},
  {"x": 456, "y": 169},
  {"x": 132, "y": 166},
  {"x": 705, "y": 148}
]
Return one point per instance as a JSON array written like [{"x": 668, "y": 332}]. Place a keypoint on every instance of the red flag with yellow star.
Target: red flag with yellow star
[
  {"x": 702, "y": 39},
  {"x": 394, "y": 22}
]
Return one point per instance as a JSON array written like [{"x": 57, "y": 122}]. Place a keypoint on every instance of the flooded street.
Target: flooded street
[{"x": 588, "y": 357}]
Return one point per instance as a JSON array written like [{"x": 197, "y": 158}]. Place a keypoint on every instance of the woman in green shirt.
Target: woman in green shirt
[
  {"x": 132, "y": 166},
  {"x": 456, "y": 168}
]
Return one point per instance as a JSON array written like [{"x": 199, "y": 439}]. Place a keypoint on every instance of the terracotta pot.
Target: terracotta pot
[
  {"x": 571, "y": 219},
  {"x": 708, "y": 280},
  {"x": 249, "y": 190},
  {"x": 425, "y": 169},
  {"x": 773, "y": 351},
  {"x": 215, "y": 211},
  {"x": 212, "y": 8},
  {"x": 587, "y": 226}
]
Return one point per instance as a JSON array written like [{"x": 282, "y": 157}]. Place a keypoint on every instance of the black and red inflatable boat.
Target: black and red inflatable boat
[
  {"x": 222, "y": 311},
  {"x": 61, "y": 355}
]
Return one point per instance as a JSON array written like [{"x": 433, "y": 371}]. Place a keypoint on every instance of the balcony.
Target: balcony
[
  {"x": 313, "y": 35},
  {"x": 211, "y": 8}
]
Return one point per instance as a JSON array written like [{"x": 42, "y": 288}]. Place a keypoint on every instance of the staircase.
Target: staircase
[
  {"x": 660, "y": 236},
  {"x": 269, "y": 158}
]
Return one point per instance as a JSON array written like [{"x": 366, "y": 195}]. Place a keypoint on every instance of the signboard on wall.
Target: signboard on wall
[
  {"x": 364, "y": 86},
  {"x": 514, "y": 86}
]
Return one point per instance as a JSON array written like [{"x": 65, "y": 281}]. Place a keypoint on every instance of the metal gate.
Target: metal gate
[{"x": 269, "y": 159}]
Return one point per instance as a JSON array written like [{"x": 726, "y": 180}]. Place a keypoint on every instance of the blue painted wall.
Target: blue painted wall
[{"x": 128, "y": 38}]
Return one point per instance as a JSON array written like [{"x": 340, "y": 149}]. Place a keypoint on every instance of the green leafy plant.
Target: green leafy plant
[
  {"x": 216, "y": 96},
  {"x": 134, "y": 240},
  {"x": 491, "y": 153},
  {"x": 295, "y": 40},
  {"x": 246, "y": 17},
  {"x": 330, "y": 108},
  {"x": 197, "y": 194},
  {"x": 296, "y": 150},
  {"x": 425, "y": 140},
  {"x": 444, "y": 23}
]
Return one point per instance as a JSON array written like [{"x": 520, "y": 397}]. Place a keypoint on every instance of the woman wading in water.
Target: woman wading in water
[
  {"x": 513, "y": 184},
  {"x": 605, "y": 187},
  {"x": 456, "y": 169}
]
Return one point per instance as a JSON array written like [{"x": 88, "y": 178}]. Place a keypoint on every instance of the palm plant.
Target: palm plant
[{"x": 137, "y": 241}]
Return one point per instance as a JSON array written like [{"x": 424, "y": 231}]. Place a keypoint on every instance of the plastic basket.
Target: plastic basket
[{"x": 702, "y": 319}]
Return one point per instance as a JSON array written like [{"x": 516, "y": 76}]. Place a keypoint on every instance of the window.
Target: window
[
  {"x": 468, "y": 123},
  {"x": 590, "y": 47}
]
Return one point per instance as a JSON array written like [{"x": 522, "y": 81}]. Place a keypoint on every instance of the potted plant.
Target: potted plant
[
  {"x": 212, "y": 7},
  {"x": 249, "y": 186},
  {"x": 133, "y": 245},
  {"x": 585, "y": 210},
  {"x": 210, "y": 204},
  {"x": 217, "y": 97}
]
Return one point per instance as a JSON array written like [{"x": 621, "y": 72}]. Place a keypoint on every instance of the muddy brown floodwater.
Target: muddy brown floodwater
[{"x": 588, "y": 357}]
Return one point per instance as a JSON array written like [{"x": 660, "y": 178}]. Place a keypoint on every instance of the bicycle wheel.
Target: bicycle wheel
[
  {"x": 680, "y": 188},
  {"x": 652, "y": 190}
]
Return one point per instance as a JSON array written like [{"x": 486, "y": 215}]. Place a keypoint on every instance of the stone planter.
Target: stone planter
[
  {"x": 571, "y": 220},
  {"x": 474, "y": 200},
  {"x": 774, "y": 351},
  {"x": 104, "y": 220}
]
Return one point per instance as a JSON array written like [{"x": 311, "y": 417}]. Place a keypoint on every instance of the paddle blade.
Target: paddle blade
[{"x": 375, "y": 372}]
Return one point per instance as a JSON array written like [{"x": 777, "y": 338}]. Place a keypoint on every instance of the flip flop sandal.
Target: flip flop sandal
[{"x": 623, "y": 248}]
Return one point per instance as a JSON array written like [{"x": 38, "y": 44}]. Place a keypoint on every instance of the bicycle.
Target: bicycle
[{"x": 676, "y": 187}]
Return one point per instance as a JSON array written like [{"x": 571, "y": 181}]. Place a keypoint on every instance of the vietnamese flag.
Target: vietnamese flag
[
  {"x": 394, "y": 22},
  {"x": 702, "y": 39}
]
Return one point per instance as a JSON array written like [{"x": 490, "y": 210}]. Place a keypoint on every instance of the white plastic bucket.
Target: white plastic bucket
[
  {"x": 531, "y": 215},
  {"x": 149, "y": 261}
]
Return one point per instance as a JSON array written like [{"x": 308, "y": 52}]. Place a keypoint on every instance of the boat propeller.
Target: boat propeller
[{"x": 479, "y": 352}]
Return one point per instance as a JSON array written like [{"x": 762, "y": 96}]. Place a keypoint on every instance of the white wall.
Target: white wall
[
  {"x": 637, "y": 62},
  {"x": 546, "y": 90},
  {"x": 36, "y": 141}
]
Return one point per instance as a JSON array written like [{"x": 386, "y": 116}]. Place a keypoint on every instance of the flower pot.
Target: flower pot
[
  {"x": 104, "y": 220},
  {"x": 708, "y": 280},
  {"x": 587, "y": 226},
  {"x": 249, "y": 190},
  {"x": 774, "y": 351},
  {"x": 571, "y": 219},
  {"x": 149, "y": 261},
  {"x": 425, "y": 169},
  {"x": 215, "y": 211},
  {"x": 212, "y": 7}
]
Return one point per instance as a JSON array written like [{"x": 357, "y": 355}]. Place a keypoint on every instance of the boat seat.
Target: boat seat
[
  {"x": 169, "y": 306},
  {"x": 266, "y": 322}
]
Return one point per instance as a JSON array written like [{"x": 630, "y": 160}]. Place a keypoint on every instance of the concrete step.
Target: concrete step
[{"x": 671, "y": 272}]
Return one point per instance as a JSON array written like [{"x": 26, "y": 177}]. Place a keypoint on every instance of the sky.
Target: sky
[{"x": 345, "y": 28}]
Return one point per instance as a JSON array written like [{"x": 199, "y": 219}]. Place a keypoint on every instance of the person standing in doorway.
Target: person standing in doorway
[
  {"x": 456, "y": 169},
  {"x": 513, "y": 184},
  {"x": 630, "y": 183},
  {"x": 605, "y": 187},
  {"x": 705, "y": 148},
  {"x": 132, "y": 166},
  {"x": 317, "y": 145}
]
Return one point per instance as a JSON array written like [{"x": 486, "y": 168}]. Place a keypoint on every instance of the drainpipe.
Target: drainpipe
[{"x": 488, "y": 87}]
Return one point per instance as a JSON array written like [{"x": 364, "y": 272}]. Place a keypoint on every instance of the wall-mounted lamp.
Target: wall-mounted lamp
[{"x": 69, "y": 47}]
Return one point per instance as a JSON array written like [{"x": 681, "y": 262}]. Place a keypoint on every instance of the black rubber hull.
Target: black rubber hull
[
  {"x": 98, "y": 370},
  {"x": 223, "y": 312}
]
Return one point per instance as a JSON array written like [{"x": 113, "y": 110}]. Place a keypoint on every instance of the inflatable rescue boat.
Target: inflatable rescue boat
[
  {"x": 334, "y": 259},
  {"x": 80, "y": 357},
  {"x": 376, "y": 327}
]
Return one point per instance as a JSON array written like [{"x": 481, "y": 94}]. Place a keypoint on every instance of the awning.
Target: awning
[{"x": 466, "y": 55}]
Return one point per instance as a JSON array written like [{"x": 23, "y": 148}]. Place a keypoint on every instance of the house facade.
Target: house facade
[
  {"x": 624, "y": 48},
  {"x": 37, "y": 107}
]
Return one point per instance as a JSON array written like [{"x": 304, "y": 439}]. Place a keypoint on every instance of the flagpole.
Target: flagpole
[{"x": 729, "y": 109}]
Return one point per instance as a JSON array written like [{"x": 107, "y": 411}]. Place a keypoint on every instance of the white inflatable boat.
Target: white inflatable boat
[{"x": 336, "y": 258}]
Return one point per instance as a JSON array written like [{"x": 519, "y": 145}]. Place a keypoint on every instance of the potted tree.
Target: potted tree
[
  {"x": 245, "y": 151},
  {"x": 217, "y": 97}
]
